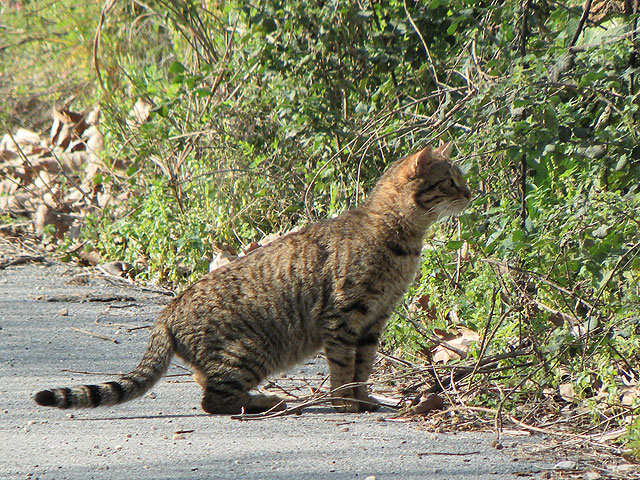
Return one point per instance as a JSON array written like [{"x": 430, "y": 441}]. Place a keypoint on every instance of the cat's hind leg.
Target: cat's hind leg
[
  {"x": 214, "y": 403},
  {"x": 225, "y": 396}
]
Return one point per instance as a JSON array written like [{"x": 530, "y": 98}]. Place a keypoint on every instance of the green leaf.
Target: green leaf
[
  {"x": 454, "y": 244},
  {"x": 176, "y": 68}
]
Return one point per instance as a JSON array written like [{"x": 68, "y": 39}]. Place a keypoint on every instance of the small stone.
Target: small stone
[
  {"x": 495, "y": 443},
  {"x": 545, "y": 475},
  {"x": 178, "y": 436},
  {"x": 118, "y": 447},
  {"x": 128, "y": 435},
  {"x": 344, "y": 429},
  {"x": 70, "y": 415},
  {"x": 565, "y": 465},
  {"x": 371, "y": 477},
  {"x": 63, "y": 312}
]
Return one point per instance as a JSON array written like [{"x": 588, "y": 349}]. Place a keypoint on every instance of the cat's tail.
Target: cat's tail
[{"x": 153, "y": 365}]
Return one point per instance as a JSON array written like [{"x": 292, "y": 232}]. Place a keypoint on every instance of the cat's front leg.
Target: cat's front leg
[
  {"x": 365, "y": 355},
  {"x": 341, "y": 357}
]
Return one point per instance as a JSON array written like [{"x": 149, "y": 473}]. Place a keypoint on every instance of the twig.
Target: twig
[
  {"x": 108, "y": 5},
  {"x": 583, "y": 19},
  {"x": 83, "y": 372},
  {"x": 524, "y": 212},
  {"x": 432, "y": 68},
  {"x": 538, "y": 277},
  {"x": 582, "y": 48},
  {"x": 482, "y": 367},
  {"x": 26, "y": 160},
  {"x": 63, "y": 170},
  {"x": 130, "y": 283},
  {"x": 317, "y": 399},
  {"x": 431, "y": 338},
  {"x": 460, "y": 454},
  {"x": 95, "y": 335},
  {"x": 21, "y": 260},
  {"x": 273, "y": 384},
  {"x": 524, "y": 28}
]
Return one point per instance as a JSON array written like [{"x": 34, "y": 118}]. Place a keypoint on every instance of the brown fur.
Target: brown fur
[{"x": 331, "y": 285}]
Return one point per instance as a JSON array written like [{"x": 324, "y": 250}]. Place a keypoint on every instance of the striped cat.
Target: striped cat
[{"x": 330, "y": 286}]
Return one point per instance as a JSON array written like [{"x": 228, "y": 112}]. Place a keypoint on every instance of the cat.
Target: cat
[{"x": 331, "y": 285}]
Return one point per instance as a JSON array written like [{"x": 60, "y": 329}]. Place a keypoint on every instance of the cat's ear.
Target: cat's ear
[
  {"x": 421, "y": 161},
  {"x": 445, "y": 148}
]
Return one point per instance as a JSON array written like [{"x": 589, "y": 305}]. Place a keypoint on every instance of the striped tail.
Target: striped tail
[{"x": 153, "y": 365}]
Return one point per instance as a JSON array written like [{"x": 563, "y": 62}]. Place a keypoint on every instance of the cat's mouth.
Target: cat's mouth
[{"x": 453, "y": 209}]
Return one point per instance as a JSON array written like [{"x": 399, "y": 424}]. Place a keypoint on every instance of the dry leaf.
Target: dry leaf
[
  {"x": 268, "y": 239},
  {"x": 464, "y": 252},
  {"x": 272, "y": 237},
  {"x": 22, "y": 137},
  {"x": 221, "y": 259},
  {"x": 250, "y": 248},
  {"x": 557, "y": 319},
  {"x": 67, "y": 126},
  {"x": 92, "y": 257},
  {"x": 46, "y": 216},
  {"x": 628, "y": 395},
  {"x": 93, "y": 117},
  {"x": 93, "y": 139},
  {"x": 422, "y": 304},
  {"x": 428, "y": 402},
  {"x": 461, "y": 342},
  {"x": 140, "y": 113},
  {"x": 118, "y": 269},
  {"x": 567, "y": 392}
]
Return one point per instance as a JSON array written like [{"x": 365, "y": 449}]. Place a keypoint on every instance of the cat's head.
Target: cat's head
[
  {"x": 437, "y": 184},
  {"x": 424, "y": 185}
]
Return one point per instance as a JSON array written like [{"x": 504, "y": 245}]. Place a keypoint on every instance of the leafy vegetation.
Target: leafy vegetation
[{"x": 273, "y": 114}]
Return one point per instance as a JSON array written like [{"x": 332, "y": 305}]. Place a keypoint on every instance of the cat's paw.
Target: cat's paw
[
  {"x": 346, "y": 406},
  {"x": 368, "y": 404}
]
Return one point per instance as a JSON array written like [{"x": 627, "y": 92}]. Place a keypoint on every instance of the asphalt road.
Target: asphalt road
[{"x": 57, "y": 324}]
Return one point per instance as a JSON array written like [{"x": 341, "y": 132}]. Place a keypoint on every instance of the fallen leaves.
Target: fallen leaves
[
  {"x": 52, "y": 180},
  {"x": 453, "y": 346},
  {"x": 427, "y": 403}
]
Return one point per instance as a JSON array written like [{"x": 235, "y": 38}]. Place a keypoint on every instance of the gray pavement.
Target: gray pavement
[{"x": 165, "y": 434}]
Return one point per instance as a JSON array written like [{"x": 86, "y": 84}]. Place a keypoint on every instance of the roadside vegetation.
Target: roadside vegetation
[{"x": 224, "y": 122}]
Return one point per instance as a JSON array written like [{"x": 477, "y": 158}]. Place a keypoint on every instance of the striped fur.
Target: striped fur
[{"x": 330, "y": 286}]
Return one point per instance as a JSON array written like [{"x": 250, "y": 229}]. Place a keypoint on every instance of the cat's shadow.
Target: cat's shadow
[{"x": 319, "y": 410}]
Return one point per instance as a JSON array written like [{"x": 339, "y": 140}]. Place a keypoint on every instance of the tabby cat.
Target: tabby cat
[{"x": 331, "y": 285}]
